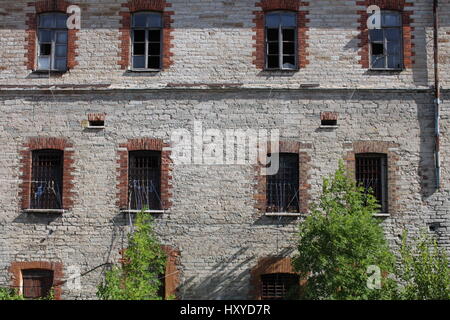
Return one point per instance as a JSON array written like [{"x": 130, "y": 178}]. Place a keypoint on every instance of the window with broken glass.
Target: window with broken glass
[
  {"x": 386, "y": 49},
  {"x": 281, "y": 40},
  {"x": 46, "y": 184},
  {"x": 277, "y": 286},
  {"x": 147, "y": 41},
  {"x": 52, "y": 42},
  {"x": 144, "y": 174},
  {"x": 283, "y": 187},
  {"x": 36, "y": 283},
  {"x": 371, "y": 173}
]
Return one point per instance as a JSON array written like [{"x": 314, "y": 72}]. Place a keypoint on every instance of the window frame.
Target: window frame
[
  {"x": 50, "y": 276},
  {"x": 285, "y": 276},
  {"x": 149, "y": 153},
  {"x": 384, "y": 42},
  {"x": 54, "y": 31},
  {"x": 297, "y": 185},
  {"x": 280, "y": 42},
  {"x": 60, "y": 177},
  {"x": 384, "y": 177},
  {"x": 146, "y": 42}
]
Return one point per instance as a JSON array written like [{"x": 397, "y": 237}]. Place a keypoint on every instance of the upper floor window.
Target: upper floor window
[
  {"x": 46, "y": 184},
  {"x": 144, "y": 176},
  {"x": 277, "y": 286},
  {"x": 52, "y": 40},
  {"x": 281, "y": 40},
  {"x": 283, "y": 187},
  {"x": 371, "y": 173},
  {"x": 146, "y": 36},
  {"x": 386, "y": 50},
  {"x": 36, "y": 283}
]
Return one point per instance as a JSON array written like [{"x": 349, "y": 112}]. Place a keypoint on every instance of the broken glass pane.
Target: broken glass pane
[
  {"x": 139, "y": 62},
  {"x": 273, "y": 48},
  {"x": 273, "y": 62},
  {"x": 288, "y": 48},
  {"x": 139, "y": 36},
  {"x": 153, "y": 49},
  {"x": 289, "y": 62},
  {"x": 272, "y": 34},
  {"x": 154, "y": 35},
  {"x": 154, "y": 62},
  {"x": 139, "y": 49},
  {"x": 45, "y": 49},
  {"x": 288, "y": 34},
  {"x": 377, "y": 49}
]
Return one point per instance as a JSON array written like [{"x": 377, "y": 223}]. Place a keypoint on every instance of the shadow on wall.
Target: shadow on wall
[{"x": 226, "y": 280}]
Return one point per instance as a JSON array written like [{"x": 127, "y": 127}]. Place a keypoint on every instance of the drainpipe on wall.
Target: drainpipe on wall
[{"x": 437, "y": 100}]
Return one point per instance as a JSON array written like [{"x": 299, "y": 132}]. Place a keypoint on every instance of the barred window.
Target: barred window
[
  {"x": 371, "y": 173},
  {"x": 146, "y": 36},
  {"x": 386, "y": 50},
  {"x": 144, "y": 177},
  {"x": 52, "y": 39},
  {"x": 36, "y": 283},
  {"x": 283, "y": 187},
  {"x": 47, "y": 175},
  {"x": 277, "y": 286},
  {"x": 281, "y": 40}
]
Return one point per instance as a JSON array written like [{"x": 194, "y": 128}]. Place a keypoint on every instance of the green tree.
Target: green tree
[
  {"x": 138, "y": 278},
  {"x": 339, "y": 240},
  {"x": 9, "y": 294},
  {"x": 423, "y": 271}
]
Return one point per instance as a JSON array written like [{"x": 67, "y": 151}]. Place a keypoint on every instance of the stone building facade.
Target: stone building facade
[{"x": 214, "y": 228}]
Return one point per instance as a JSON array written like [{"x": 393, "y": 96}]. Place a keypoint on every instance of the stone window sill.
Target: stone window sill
[
  {"x": 381, "y": 215},
  {"x": 145, "y": 211},
  {"x": 283, "y": 214},
  {"x": 57, "y": 211}
]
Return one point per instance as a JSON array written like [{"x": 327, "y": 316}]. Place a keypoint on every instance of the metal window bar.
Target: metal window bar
[
  {"x": 371, "y": 173},
  {"x": 283, "y": 187},
  {"x": 144, "y": 190},
  {"x": 277, "y": 286},
  {"x": 46, "y": 184}
]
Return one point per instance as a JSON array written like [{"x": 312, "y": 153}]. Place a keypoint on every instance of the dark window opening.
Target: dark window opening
[
  {"x": 144, "y": 180},
  {"x": 146, "y": 37},
  {"x": 328, "y": 122},
  {"x": 278, "y": 286},
  {"x": 281, "y": 40},
  {"x": 386, "y": 48},
  {"x": 46, "y": 184},
  {"x": 97, "y": 123},
  {"x": 371, "y": 173},
  {"x": 283, "y": 187},
  {"x": 36, "y": 283},
  {"x": 52, "y": 40}
]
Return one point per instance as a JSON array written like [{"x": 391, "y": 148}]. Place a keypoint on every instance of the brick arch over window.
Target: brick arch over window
[
  {"x": 268, "y": 265},
  {"x": 68, "y": 168},
  {"x": 407, "y": 29},
  {"x": 259, "y": 29},
  {"x": 31, "y": 32},
  {"x": 381, "y": 147},
  {"x": 125, "y": 29},
  {"x": 148, "y": 144},
  {"x": 304, "y": 160},
  {"x": 16, "y": 269}
]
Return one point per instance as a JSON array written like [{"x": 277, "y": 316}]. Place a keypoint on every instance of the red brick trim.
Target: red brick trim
[
  {"x": 57, "y": 268},
  {"x": 172, "y": 274},
  {"x": 302, "y": 25},
  {"x": 96, "y": 116},
  {"x": 260, "y": 195},
  {"x": 393, "y": 167},
  {"x": 122, "y": 170},
  {"x": 31, "y": 31},
  {"x": 125, "y": 29},
  {"x": 68, "y": 169},
  {"x": 329, "y": 116},
  {"x": 397, "y": 5},
  {"x": 268, "y": 265}
]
